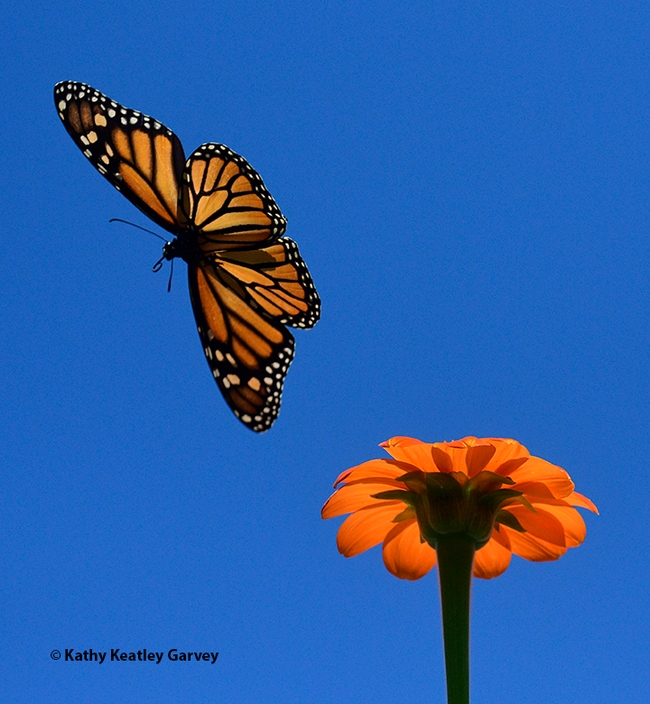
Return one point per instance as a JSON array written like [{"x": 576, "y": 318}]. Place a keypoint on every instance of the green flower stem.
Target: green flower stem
[{"x": 455, "y": 559}]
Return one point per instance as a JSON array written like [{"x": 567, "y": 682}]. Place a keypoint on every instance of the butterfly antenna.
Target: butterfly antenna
[
  {"x": 151, "y": 232},
  {"x": 158, "y": 265}
]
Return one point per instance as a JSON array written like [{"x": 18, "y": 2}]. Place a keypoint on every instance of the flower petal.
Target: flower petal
[
  {"x": 477, "y": 458},
  {"x": 442, "y": 460},
  {"x": 505, "y": 469},
  {"x": 352, "y": 497},
  {"x": 372, "y": 469},
  {"x": 494, "y": 558},
  {"x": 576, "y": 499},
  {"x": 531, "y": 548},
  {"x": 411, "y": 450},
  {"x": 534, "y": 490},
  {"x": 540, "y": 472},
  {"x": 572, "y": 522},
  {"x": 367, "y": 527},
  {"x": 507, "y": 451},
  {"x": 540, "y": 523},
  {"x": 405, "y": 555}
]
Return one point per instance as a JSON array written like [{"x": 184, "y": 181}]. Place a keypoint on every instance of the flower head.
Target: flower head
[{"x": 490, "y": 490}]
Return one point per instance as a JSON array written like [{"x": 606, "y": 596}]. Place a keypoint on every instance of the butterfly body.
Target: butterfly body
[
  {"x": 247, "y": 282},
  {"x": 182, "y": 247}
]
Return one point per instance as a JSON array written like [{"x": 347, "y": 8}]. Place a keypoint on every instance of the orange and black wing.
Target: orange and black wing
[
  {"x": 141, "y": 157},
  {"x": 274, "y": 281},
  {"x": 227, "y": 202},
  {"x": 248, "y": 354},
  {"x": 242, "y": 301}
]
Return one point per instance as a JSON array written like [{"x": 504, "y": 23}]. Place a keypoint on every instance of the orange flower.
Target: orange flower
[{"x": 488, "y": 489}]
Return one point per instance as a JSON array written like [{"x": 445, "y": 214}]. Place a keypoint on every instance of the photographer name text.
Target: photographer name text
[{"x": 144, "y": 655}]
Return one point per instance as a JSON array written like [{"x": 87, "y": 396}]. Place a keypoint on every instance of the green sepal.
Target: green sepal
[
  {"x": 507, "y": 519},
  {"x": 445, "y": 483},
  {"x": 483, "y": 480},
  {"x": 393, "y": 495},
  {"x": 523, "y": 500},
  {"x": 494, "y": 499},
  {"x": 460, "y": 477},
  {"x": 407, "y": 514},
  {"x": 416, "y": 481}
]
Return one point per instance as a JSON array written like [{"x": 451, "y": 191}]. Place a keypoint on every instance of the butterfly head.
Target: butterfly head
[
  {"x": 176, "y": 248},
  {"x": 181, "y": 247}
]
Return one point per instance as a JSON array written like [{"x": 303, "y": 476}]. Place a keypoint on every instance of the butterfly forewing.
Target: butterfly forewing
[
  {"x": 139, "y": 155},
  {"x": 227, "y": 202}
]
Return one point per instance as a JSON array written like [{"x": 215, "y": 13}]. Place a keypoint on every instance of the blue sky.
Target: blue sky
[{"x": 469, "y": 187}]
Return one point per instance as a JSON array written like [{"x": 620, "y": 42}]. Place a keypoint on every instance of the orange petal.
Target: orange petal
[
  {"x": 352, "y": 497},
  {"x": 372, "y": 469},
  {"x": 537, "y": 470},
  {"x": 400, "y": 441},
  {"x": 494, "y": 558},
  {"x": 405, "y": 555},
  {"x": 572, "y": 523},
  {"x": 442, "y": 459},
  {"x": 477, "y": 458},
  {"x": 576, "y": 499},
  {"x": 531, "y": 548},
  {"x": 410, "y": 450},
  {"x": 367, "y": 527},
  {"x": 506, "y": 450},
  {"x": 541, "y": 500},
  {"x": 535, "y": 490},
  {"x": 505, "y": 469},
  {"x": 540, "y": 523}
]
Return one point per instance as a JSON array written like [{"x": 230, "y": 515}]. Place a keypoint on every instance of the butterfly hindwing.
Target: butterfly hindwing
[
  {"x": 227, "y": 201},
  {"x": 274, "y": 281},
  {"x": 249, "y": 354},
  {"x": 141, "y": 157}
]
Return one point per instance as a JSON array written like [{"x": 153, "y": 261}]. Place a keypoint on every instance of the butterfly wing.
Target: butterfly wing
[
  {"x": 227, "y": 202},
  {"x": 248, "y": 354},
  {"x": 141, "y": 157},
  {"x": 273, "y": 281}
]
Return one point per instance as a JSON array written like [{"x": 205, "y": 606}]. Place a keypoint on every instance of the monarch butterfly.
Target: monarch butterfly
[{"x": 247, "y": 282}]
